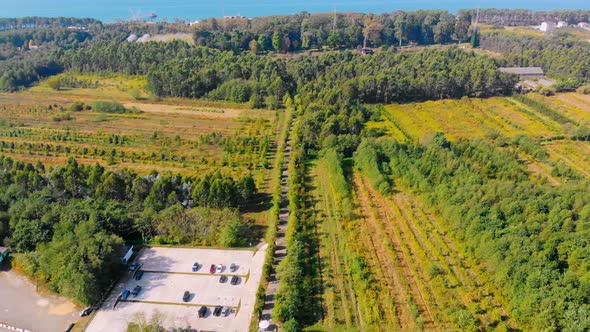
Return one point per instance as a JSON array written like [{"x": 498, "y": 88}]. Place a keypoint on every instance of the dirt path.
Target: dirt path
[
  {"x": 280, "y": 240},
  {"x": 404, "y": 279}
]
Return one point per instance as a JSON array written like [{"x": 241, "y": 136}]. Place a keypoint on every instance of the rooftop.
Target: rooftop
[
  {"x": 522, "y": 70},
  {"x": 3, "y": 250}
]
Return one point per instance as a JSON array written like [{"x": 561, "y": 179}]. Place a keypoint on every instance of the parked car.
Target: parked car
[
  {"x": 219, "y": 268},
  {"x": 87, "y": 311},
  {"x": 224, "y": 311},
  {"x": 217, "y": 311},
  {"x": 136, "y": 290},
  {"x": 223, "y": 279},
  {"x": 235, "y": 280},
  {"x": 212, "y": 269},
  {"x": 125, "y": 294},
  {"x": 233, "y": 267},
  {"x": 138, "y": 275},
  {"x": 132, "y": 266},
  {"x": 196, "y": 267},
  {"x": 186, "y": 296},
  {"x": 202, "y": 311}
]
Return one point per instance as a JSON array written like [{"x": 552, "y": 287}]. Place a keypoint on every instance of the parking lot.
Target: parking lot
[{"x": 168, "y": 274}]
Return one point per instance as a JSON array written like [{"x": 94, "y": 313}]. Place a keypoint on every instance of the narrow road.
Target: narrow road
[{"x": 281, "y": 243}]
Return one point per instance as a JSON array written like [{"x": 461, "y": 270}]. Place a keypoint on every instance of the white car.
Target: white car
[{"x": 219, "y": 268}]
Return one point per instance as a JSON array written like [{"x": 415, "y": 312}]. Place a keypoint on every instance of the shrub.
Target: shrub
[
  {"x": 112, "y": 107},
  {"x": 547, "y": 91},
  {"x": 62, "y": 116},
  {"x": 77, "y": 106},
  {"x": 585, "y": 89}
]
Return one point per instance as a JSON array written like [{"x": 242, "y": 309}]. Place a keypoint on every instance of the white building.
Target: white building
[
  {"x": 583, "y": 25},
  {"x": 132, "y": 38},
  {"x": 548, "y": 26},
  {"x": 561, "y": 24}
]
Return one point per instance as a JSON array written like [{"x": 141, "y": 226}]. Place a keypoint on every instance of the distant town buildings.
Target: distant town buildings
[
  {"x": 561, "y": 24},
  {"x": 548, "y": 26},
  {"x": 584, "y": 25}
]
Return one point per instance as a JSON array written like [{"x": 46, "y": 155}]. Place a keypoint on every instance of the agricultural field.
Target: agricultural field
[
  {"x": 392, "y": 265},
  {"x": 170, "y": 135},
  {"x": 467, "y": 118},
  {"x": 575, "y": 154}
]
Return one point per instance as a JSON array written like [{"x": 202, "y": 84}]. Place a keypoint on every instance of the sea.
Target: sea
[{"x": 110, "y": 11}]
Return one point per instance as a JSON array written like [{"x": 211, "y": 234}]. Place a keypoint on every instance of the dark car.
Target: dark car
[
  {"x": 224, "y": 311},
  {"x": 235, "y": 280},
  {"x": 233, "y": 267},
  {"x": 125, "y": 294},
  {"x": 132, "y": 266},
  {"x": 196, "y": 267},
  {"x": 217, "y": 311},
  {"x": 212, "y": 269},
  {"x": 202, "y": 311},
  {"x": 138, "y": 275},
  {"x": 187, "y": 296},
  {"x": 136, "y": 290},
  {"x": 87, "y": 311},
  {"x": 222, "y": 279}
]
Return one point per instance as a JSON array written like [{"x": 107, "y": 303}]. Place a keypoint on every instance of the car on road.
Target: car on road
[
  {"x": 202, "y": 311},
  {"x": 233, "y": 267},
  {"x": 222, "y": 279},
  {"x": 217, "y": 311},
  {"x": 138, "y": 275},
  {"x": 132, "y": 266},
  {"x": 136, "y": 290},
  {"x": 125, "y": 294},
  {"x": 212, "y": 268},
  {"x": 196, "y": 267},
  {"x": 186, "y": 296},
  {"x": 219, "y": 268},
  {"x": 235, "y": 280},
  {"x": 87, "y": 311},
  {"x": 224, "y": 311}
]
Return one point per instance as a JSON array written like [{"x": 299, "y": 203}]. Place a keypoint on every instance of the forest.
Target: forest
[{"x": 45, "y": 213}]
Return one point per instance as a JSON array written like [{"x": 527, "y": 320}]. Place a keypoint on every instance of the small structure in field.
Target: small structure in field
[
  {"x": 3, "y": 254},
  {"x": 144, "y": 38},
  {"x": 132, "y": 38},
  {"x": 524, "y": 73},
  {"x": 367, "y": 51},
  {"x": 548, "y": 26}
]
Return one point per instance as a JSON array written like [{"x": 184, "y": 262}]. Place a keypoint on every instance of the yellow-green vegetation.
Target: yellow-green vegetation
[
  {"x": 574, "y": 154},
  {"x": 465, "y": 118},
  {"x": 184, "y": 138}
]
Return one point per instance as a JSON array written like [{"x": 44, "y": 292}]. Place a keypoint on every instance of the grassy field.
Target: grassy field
[
  {"x": 466, "y": 118},
  {"x": 171, "y": 135}
]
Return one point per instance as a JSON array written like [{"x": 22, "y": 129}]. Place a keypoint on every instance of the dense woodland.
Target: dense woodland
[{"x": 58, "y": 217}]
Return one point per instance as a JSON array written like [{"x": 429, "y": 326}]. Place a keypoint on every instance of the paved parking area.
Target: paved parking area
[{"x": 168, "y": 274}]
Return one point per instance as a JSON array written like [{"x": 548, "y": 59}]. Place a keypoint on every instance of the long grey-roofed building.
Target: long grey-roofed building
[{"x": 524, "y": 72}]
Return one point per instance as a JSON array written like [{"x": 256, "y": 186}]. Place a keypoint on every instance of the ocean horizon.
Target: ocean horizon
[{"x": 110, "y": 11}]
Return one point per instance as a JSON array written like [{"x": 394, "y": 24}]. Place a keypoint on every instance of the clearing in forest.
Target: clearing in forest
[
  {"x": 466, "y": 118},
  {"x": 171, "y": 135}
]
